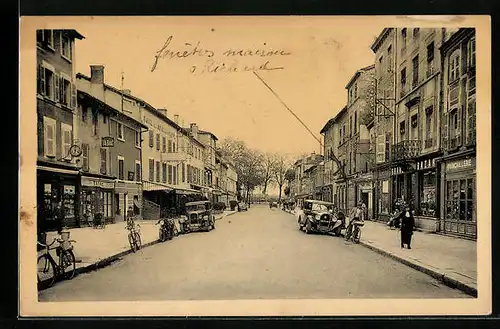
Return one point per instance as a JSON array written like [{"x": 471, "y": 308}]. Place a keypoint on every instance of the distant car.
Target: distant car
[
  {"x": 273, "y": 204},
  {"x": 242, "y": 206}
]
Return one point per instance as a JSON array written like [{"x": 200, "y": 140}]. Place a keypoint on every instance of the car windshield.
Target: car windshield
[
  {"x": 196, "y": 207},
  {"x": 318, "y": 207}
]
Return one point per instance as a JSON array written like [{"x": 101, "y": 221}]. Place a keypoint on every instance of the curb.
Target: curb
[
  {"x": 450, "y": 282},
  {"x": 443, "y": 278}
]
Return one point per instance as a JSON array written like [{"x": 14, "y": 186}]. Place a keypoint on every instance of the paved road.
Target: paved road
[{"x": 251, "y": 255}]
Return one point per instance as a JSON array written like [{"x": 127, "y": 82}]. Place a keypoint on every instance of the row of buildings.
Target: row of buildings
[
  {"x": 408, "y": 131},
  {"x": 103, "y": 150}
]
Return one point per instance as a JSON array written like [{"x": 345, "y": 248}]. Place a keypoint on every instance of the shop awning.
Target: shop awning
[{"x": 58, "y": 170}]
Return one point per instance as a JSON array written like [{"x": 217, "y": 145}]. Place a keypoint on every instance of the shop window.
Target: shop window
[
  {"x": 428, "y": 194},
  {"x": 69, "y": 201},
  {"x": 460, "y": 200}
]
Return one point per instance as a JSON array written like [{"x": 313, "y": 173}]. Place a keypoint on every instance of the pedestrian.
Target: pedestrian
[
  {"x": 407, "y": 226},
  {"x": 355, "y": 215}
]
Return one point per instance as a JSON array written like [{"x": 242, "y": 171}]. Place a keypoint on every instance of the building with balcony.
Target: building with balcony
[
  {"x": 111, "y": 174},
  {"x": 57, "y": 152},
  {"x": 458, "y": 137}
]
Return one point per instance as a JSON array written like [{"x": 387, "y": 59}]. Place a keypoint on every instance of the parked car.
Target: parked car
[
  {"x": 273, "y": 204},
  {"x": 242, "y": 206},
  {"x": 198, "y": 217},
  {"x": 318, "y": 216}
]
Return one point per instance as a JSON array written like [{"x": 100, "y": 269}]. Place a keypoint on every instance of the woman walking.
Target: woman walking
[{"x": 407, "y": 226}]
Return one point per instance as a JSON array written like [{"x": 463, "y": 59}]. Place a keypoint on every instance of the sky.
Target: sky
[{"x": 321, "y": 55}]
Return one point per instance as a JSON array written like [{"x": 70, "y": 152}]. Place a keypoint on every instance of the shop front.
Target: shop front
[
  {"x": 458, "y": 186},
  {"x": 96, "y": 198},
  {"x": 57, "y": 186},
  {"x": 426, "y": 196},
  {"x": 129, "y": 194},
  {"x": 382, "y": 201},
  {"x": 364, "y": 190}
]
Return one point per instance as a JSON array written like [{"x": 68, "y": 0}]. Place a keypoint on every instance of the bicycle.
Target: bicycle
[
  {"x": 355, "y": 235},
  {"x": 134, "y": 236},
  {"x": 48, "y": 269}
]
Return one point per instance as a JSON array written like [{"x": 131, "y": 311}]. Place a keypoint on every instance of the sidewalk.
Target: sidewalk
[
  {"x": 448, "y": 259},
  {"x": 95, "y": 248}
]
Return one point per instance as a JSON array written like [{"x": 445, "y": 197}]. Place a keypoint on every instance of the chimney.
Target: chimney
[
  {"x": 194, "y": 130},
  {"x": 176, "y": 118},
  {"x": 163, "y": 111},
  {"x": 97, "y": 81},
  {"x": 97, "y": 74}
]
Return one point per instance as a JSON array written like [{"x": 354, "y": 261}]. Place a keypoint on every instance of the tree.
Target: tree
[
  {"x": 280, "y": 167},
  {"x": 290, "y": 175},
  {"x": 268, "y": 161}
]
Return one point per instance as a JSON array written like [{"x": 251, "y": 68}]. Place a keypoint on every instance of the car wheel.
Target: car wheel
[{"x": 308, "y": 227}]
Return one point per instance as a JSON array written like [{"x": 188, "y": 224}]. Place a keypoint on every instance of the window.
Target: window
[
  {"x": 66, "y": 140},
  {"x": 95, "y": 122},
  {"x": 137, "y": 138},
  {"x": 157, "y": 142},
  {"x": 121, "y": 169},
  {"x": 414, "y": 127},
  {"x": 49, "y": 136},
  {"x": 415, "y": 71},
  {"x": 389, "y": 58},
  {"x": 169, "y": 146},
  {"x": 471, "y": 53},
  {"x": 402, "y": 129},
  {"x": 170, "y": 174},
  {"x": 85, "y": 157},
  {"x": 430, "y": 52},
  {"x": 138, "y": 171},
  {"x": 403, "y": 40},
  {"x": 158, "y": 171},
  {"x": 46, "y": 83},
  {"x": 381, "y": 62},
  {"x": 403, "y": 79},
  {"x": 460, "y": 200},
  {"x": 183, "y": 170},
  {"x": 107, "y": 204},
  {"x": 164, "y": 172},
  {"x": 164, "y": 144},
  {"x": 355, "y": 90},
  {"x": 151, "y": 170},
  {"x": 174, "y": 146},
  {"x": 416, "y": 32},
  {"x": 355, "y": 121},
  {"x": 350, "y": 126},
  {"x": 46, "y": 37},
  {"x": 151, "y": 138},
  {"x": 119, "y": 131},
  {"x": 65, "y": 91},
  {"x": 103, "y": 161},
  {"x": 428, "y": 126},
  {"x": 454, "y": 66},
  {"x": 65, "y": 46}
]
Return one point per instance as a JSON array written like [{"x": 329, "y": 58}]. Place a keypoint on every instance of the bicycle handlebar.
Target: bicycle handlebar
[{"x": 47, "y": 245}]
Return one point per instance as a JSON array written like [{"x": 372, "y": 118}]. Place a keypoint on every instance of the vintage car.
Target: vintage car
[
  {"x": 273, "y": 204},
  {"x": 318, "y": 216},
  {"x": 242, "y": 206},
  {"x": 198, "y": 217}
]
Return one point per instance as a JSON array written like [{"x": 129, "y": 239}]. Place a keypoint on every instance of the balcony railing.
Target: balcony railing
[{"x": 406, "y": 150}]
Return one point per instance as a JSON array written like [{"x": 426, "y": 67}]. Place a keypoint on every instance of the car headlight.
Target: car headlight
[{"x": 317, "y": 217}]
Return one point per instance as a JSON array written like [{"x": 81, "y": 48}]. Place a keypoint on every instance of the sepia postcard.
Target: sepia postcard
[{"x": 255, "y": 166}]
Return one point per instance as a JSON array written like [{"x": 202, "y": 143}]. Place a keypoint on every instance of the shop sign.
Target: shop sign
[
  {"x": 459, "y": 164},
  {"x": 107, "y": 141},
  {"x": 97, "y": 182}
]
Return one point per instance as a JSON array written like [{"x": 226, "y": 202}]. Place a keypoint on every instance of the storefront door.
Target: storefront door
[{"x": 460, "y": 206}]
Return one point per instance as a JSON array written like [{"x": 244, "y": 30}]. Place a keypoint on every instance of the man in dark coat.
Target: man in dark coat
[{"x": 407, "y": 226}]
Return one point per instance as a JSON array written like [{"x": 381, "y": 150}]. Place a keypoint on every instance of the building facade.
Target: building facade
[
  {"x": 57, "y": 153},
  {"x": 458, "y": 137},
  {"x": 111, "y": 177},
  {"x": 330, "y": 143}
]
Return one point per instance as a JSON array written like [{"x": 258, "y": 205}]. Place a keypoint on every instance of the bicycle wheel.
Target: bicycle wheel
[
  {"x": 131, "y": 241},
  {"x": 138, "y": 240},
  {"x": 46, "y": 270},
  {"x": 356, "y": 235},
  {"x": 68, "y": 264}
]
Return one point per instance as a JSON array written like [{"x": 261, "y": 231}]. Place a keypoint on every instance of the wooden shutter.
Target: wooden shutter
[
  {"x": 380, "y": 148},
  {"x": 42, "y": 80},
  {"x": 471, "y": 120},
  {"x": 66, "y": 142},
  {"x": 85, "y": 156},
  {"x": 445, "y": 119},
  {"x": 73, "y": 95},
  {"x": 57, "y": 87},
  {"x": 49, "y": 139},
  {"x": 103, "y": 161}
]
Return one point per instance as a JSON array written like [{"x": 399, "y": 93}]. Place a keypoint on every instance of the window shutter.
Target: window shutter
[
  {"x": 85, "y": 156},
  {"x": 66, "y": 142},
  {"x": 380, "y": 148},
  {"x": 103, "y": 161},
  {"x": 73, "y": 96},
  {"x": 444, "y": 133},
  {"x": 42, "y": 80},
  {"x": 151, "y": 138},
  {"x": 57, "y": 87},
  {"x": 471, "y": 121},
  {"x": 49, "y": 138}
]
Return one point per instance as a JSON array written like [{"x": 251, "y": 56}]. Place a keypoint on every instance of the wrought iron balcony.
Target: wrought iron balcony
[{"x": 406, "y": 150}]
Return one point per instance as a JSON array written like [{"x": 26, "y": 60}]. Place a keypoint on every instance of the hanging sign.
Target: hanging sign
[{"x": 107, "y": 142}]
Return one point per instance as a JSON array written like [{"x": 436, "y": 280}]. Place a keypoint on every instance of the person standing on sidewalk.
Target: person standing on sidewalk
[{"x": 407, "y": 226}]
